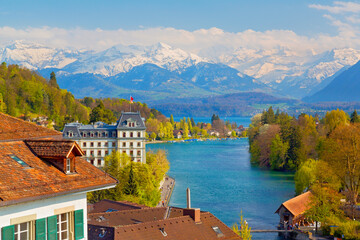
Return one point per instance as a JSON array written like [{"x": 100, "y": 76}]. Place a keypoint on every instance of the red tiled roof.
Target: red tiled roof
[
  {"x": 42, "y": 179},
  {"x": 179, "y": 228},
  {"x": 12, "y": 128},
  {"x": 297, "y": 205},
  {"x": 53, "y": 148},
  {"x": 106, "y": 204},
  {"x": 146, "y": 223}
]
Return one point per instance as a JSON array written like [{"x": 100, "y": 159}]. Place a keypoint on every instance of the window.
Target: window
[
  {"x": 106, "y": 134},
  {"x": 138, "y": 153},
  {"x": 124, "y": 151},
  {"x": 68, "y": 162},
  {"x": 139, "y": 134},
  {"x": 106, "y": 144},
  {"x": 19, "y": 161},
  {"x": 91, "y": 144},
  {"x": 124, "y": 134},
  {"x": 131, "y": 134},
  {"x": 91, "y": 134},
  {"x": 70, "y": 134},
  {"x": 131, "y": 144},
  {"x": 99, "y": 162},
  {"x": 99, "y": 153},
  {"x": 124, "y": 144},
  {"x": 92, "y": 153},
  {"x": 63, "y": 226},
  {"x": 217, "y": 231},
  {"x": 139, "y": 144},
  {"x": 84, "y": 144},
  {"x": 99, "y": 144},
  {"x": 92, "y": 161},
  {"x": 114, "y": 134},
  {"x": 106, "y": 152},
  {"x": 131, "y": 153},
  {"x": 22, "y": 231}
]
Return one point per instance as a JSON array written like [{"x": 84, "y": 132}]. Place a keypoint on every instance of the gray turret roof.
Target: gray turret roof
[{"x": 132, "y": 117}]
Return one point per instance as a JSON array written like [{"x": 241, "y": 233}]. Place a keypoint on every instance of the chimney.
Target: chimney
[
  {"x": 188, "y": 198},
  {"x": 194, "y": 213}
]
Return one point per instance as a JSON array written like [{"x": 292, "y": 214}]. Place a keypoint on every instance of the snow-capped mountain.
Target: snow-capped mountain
[
  {"x": 36, "y": 56},
  {"x": 121, "y": 58},
  {"x": 289, "y": 72}
]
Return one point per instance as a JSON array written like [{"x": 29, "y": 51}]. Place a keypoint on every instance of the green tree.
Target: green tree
[
  {"x": 278, "y": 153},
  {"x": 354, "y": 117},
  {"x": 242, "y": 228},
  {"x": 153, "y": 136},
  {"x": 172, "y": 120},
  {"x": 53, "y": 82},
  {"x": 131, "y": 188}
]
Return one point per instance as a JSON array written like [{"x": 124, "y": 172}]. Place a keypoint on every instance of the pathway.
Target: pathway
[{"x": 167, "y": 188}]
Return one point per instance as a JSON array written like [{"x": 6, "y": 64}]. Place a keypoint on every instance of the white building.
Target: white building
[
  {"x": 100, "y": 139},
  {"x": 43, "y": 184}
]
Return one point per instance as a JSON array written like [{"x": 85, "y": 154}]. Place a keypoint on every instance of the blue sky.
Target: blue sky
[
  {"x": 190, "y": 24},
  {"x": 229, "y": 15}
]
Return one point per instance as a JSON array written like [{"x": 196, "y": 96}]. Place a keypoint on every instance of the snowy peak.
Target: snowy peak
[{"x": 36, "y": 56}]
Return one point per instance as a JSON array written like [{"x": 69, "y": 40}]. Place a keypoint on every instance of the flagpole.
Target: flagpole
[{"x": 130, "y": 103}]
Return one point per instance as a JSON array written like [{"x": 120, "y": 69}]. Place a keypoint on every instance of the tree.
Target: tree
[
  {"x": 335, "y": 118},
  {"x": 172, "y": 120},
  {"x": 278, "y": 153},
  {"x": 53, "y": 81},
  {"x": 131, "y": 186},
  {"x": 153, "y": 136},
  {"x": 354, "y": 117},
  {"x": 244, "y": 231},
  {"x": 342, "y": 152}
]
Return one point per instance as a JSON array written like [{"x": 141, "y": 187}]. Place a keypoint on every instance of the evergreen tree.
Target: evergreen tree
[
  {"x": 193, "y": 122},
  {"x": 53, "y": 82},
  {"x": 189, "y": 124},
  {"x": 354, "y": 117},
  {"x": 172, "y": 120},
  {"x": 131, "y": 186}
]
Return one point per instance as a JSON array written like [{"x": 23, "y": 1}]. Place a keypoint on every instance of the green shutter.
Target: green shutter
[
  {"x": 8, "y": 233},
  {"x": 52, "y": 228},
  {"x": 79, "y": 224},
  {"x": 40, "y": 229}
]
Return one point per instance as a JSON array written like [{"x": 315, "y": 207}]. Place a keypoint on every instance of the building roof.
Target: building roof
[
  {"x": 147, "y": 224},
  {"x": 109, "y": 205},
  {"x": 297, "y": 205},
  {"x": 12, "y": 129},
  {"x": 131, "y": 116},
  {"x": 177, "y": 228},
  {"x": 53, "y": 148},
  {"x": 40, "y": 179}
]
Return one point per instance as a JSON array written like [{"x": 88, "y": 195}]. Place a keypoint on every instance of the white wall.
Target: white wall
[{"x": 44, "y": 208}]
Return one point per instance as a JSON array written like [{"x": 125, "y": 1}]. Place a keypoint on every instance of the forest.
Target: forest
[{"x": 325, "y": 156}]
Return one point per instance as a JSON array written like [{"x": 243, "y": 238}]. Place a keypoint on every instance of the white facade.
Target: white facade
[
  {"x": 99, "y": 140},
  {"x": 29, "y": 212}
]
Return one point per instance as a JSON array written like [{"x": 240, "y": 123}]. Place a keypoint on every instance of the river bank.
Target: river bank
[
  {"x": 192, "y": 140},
  {"x": 223, "y": 182}
]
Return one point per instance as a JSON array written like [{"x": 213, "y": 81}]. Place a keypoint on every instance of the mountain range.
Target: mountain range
[{"x": 160, "y": 72}]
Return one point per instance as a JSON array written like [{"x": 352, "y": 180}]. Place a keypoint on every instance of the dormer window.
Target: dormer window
[
  {"x": 68, "y": 165},
  {"x": 92, "y": 134},
  {"x": 70, "y": 134},
  {"x": 114, "y": 134},
  {"x": 124, "y": 134}
]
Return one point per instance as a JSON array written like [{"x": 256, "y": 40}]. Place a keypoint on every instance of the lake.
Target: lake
[{"x": 223, "y": 182}]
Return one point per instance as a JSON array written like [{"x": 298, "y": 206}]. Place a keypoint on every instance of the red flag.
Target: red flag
[{"x": 131, "y": 99}]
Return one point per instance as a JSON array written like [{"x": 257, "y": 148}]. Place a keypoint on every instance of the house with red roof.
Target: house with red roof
[
  {"x": 112, "y": 220},
  {"x": 292, "y": 211},
  {"x": 43, "y": 183}
]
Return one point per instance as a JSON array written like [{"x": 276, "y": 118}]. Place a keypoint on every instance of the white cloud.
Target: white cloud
[
  {"x": 338, "y": 7},
  {"x": 198, "y": 41}
]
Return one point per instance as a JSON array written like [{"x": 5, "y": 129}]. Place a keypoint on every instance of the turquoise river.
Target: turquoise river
[{"x": 222, "y": 181}]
